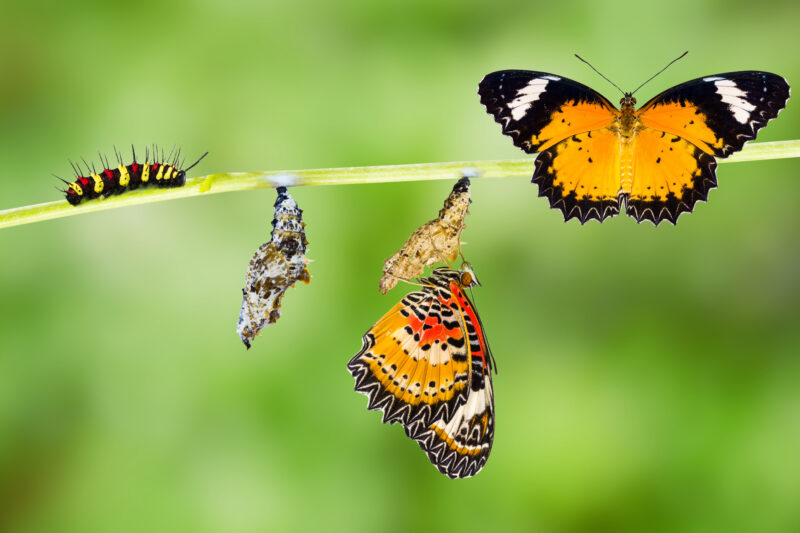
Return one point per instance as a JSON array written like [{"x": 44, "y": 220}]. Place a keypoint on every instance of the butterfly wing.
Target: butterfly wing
[
  {"x": 459, "y": 444},
  {"x": 580, "y": 175},
  {"x": 670, "y": 175},
  {"x": 538, "y": 110},
  {"x": 718, "y": 113},
  {"x": 413, "y": 363},
  {"x": 683, "y": 128}
]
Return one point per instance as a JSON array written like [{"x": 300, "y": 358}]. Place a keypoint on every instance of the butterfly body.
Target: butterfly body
[{"x": 658, "y": 159}]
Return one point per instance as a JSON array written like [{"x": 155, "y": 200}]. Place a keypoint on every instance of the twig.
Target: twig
[{"x": 243, "y": 181}]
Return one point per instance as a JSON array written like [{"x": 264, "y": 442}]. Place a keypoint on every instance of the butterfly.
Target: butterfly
[
  {"x": 658, "y": 159},
  {"x": 426, "y": 365}
]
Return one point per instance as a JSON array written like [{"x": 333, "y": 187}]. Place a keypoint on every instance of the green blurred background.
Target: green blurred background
[{"x": 648, "y": 376}]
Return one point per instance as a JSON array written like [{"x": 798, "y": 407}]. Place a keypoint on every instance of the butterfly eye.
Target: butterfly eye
[{"x": 466, "y": 279}]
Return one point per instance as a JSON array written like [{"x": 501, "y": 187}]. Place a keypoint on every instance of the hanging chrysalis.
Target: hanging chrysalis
[
  {"x": 275, "y": 267},
  {"x": 434, "y": 240}
]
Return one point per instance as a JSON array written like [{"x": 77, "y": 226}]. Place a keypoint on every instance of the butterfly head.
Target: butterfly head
[
  {"x": 627, "y": 100},
  {"x": 468, "y": 277}
]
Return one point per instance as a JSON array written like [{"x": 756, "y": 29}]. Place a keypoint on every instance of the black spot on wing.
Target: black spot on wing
[
  {"x": 571, "y": 205},
  {"x": 500, "y": 88},
  {"x": 656, "y": 210},
  {"x": 766, "y": 91}
]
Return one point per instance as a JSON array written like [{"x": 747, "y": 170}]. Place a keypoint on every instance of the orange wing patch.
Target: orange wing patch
[
  {"x": 413, "y": 363},
  {"x": 581, "y": 175},
  {"x": 670, "y": 175},
  {"x": 572, "y": 118},
  {"x": 682, "y": 119}
]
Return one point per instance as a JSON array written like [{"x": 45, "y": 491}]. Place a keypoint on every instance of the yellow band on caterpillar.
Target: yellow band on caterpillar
[
  {"x": 124, "y": 177},
  {"x": 98, "y": 183}
]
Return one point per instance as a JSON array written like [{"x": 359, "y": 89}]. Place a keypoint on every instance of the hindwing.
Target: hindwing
[
  {"x": 670, "y": 175},
  {"x": 580, "y": 175}
]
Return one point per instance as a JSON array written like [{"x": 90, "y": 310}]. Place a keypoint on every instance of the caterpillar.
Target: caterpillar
[{"x": 124, "y": 177}]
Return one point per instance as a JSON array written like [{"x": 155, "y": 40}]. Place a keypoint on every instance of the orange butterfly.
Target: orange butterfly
[
  {"x": 426, "y": 364},
  {"x": 658, "y": 159}
]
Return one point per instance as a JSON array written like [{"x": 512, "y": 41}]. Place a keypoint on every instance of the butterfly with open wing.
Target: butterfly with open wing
[{"x": 658, "y": 159}]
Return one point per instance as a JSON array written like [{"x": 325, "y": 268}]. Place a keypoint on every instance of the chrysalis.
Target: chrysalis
[
  {"x": 434, "y": 240},
  {"x": 275, "y": 267}
]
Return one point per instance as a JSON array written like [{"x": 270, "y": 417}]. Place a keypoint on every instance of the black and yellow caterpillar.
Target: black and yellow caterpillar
[{"x": 125, "y": 177}]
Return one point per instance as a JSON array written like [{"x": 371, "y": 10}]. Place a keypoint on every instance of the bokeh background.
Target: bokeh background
[{"x": 648, "y": 376}]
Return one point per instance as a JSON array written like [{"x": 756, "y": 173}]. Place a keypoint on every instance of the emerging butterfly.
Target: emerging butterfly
[
  {"x": 658, "y": 159},
  {"x": 426, "y": 364}
]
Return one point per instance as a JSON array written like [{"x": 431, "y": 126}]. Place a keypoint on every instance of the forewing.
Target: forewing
[
  {"x": 459, "y": 445},
  {"x": 538, "y": 110},
  {"x": 718, "y": 113},
  {"x": 413, "y": 363},
  {"x": 581, "y": 175}
]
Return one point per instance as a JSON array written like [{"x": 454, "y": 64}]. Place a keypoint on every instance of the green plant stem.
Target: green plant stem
[{"x": 242, "y": 181}]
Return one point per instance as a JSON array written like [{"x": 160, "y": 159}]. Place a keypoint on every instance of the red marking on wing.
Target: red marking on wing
[
  {"x": 435, "y": 331},
  {"x": 470, "y": 312}
]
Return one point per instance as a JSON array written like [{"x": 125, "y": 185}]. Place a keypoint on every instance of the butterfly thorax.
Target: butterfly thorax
[
  {"x": 627, "y": 117},
  {"x": 442, "y": 278}
]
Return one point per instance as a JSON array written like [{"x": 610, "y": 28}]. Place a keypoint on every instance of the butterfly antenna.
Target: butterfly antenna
[
  {"x": 660, "y": 71},
  {"x": 195, "y": 163},
  {"x": 601, "y": 74}
]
